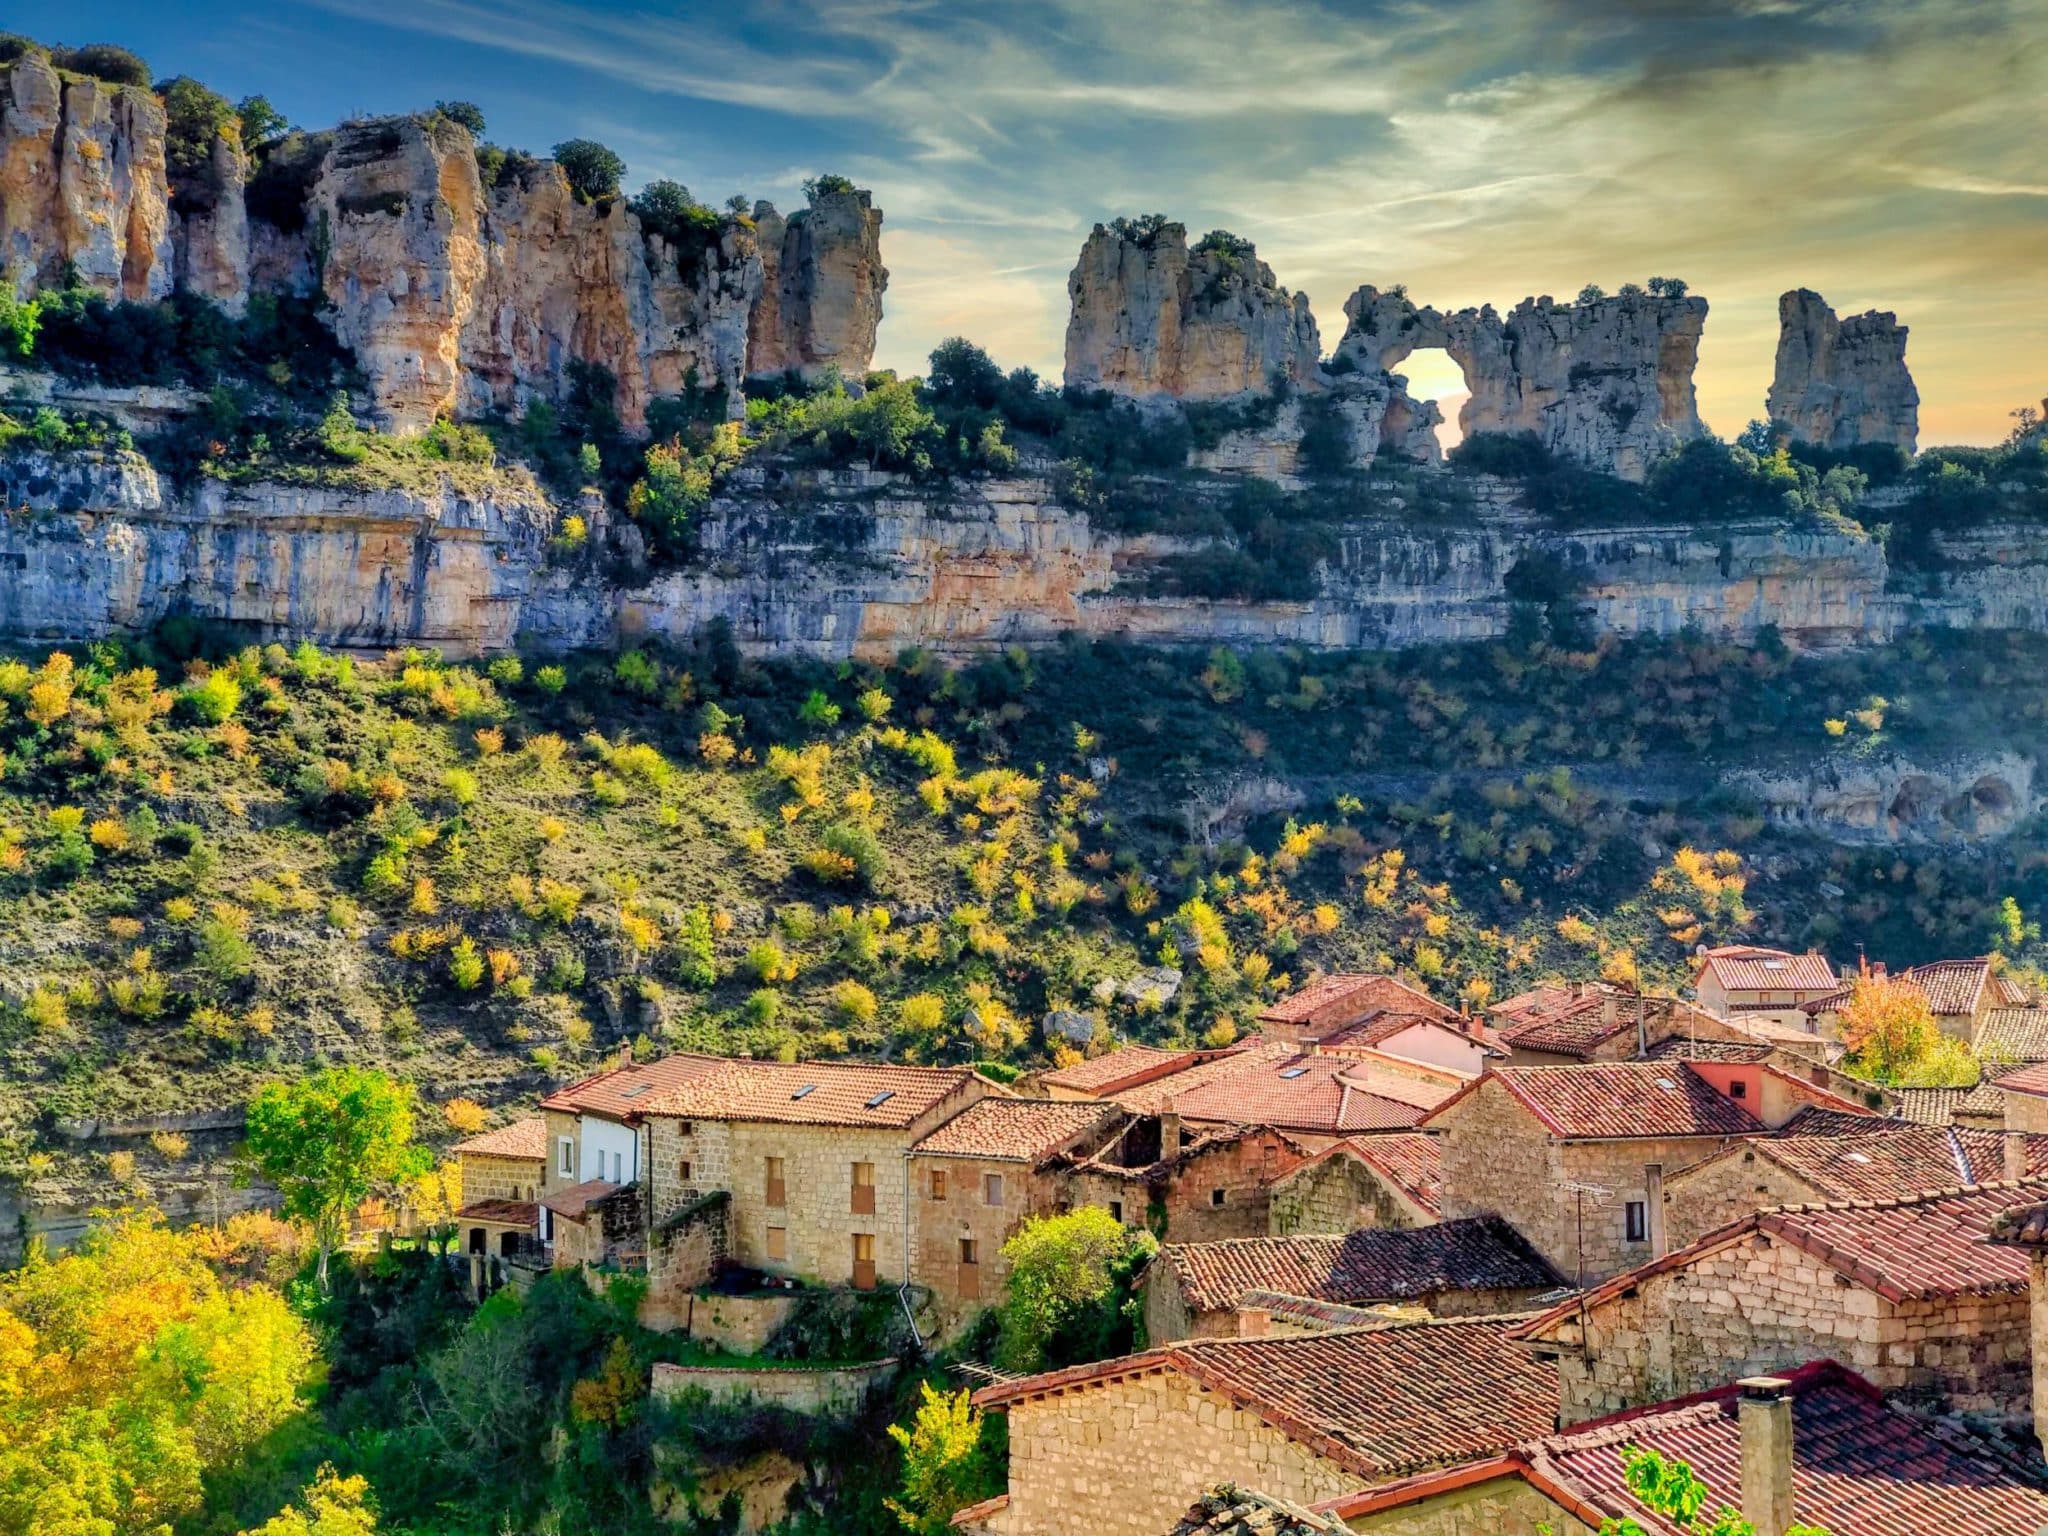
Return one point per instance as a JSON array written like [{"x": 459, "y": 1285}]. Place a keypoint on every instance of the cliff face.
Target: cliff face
[
  {"x": 82, "y": 181},
  {"x": 821, "y": 289},
  {"x": 1607, "y": 382},
  {"x": 456, "y": 298},
  {"x": 1150, "y": 317},
  {"x": 1841, "y": 383}
]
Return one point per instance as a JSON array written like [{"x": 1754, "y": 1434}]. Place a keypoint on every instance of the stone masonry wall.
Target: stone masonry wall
[
  {"x": 499, "y": 1178},
  {"x": 1504, "y": 1506},
  {"x": 1759, "y": 1307},
  {"x": 1725, "y": 1189},
  {"x": 1339, "y": 1194},
  {"x": 939, "y": 1225},
  {"x": 1128, "y": 1458}
]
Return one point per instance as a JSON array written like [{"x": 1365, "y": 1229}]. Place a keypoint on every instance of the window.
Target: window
[
  {"x": 938, "y": 1183},
  {"x": 1738, "y": 1089},
  {"x": 863, "y": 1189},
  {"x": 778, "y": 1193},
  {"x": 778, "y": 1242},
  {"x": 992, "y": 1189},
  {"x": 565, "y": 1157},
  {"x": 970, "y": 1251},
  {"x": 683, "y": 1171},
  {"x": 1215, "y": 1197},
  {"x": 1116, "y": 1209},
  {"x": 1637, "y": 1215},
  {"x": 684, "y": 1128},
  {"x": 864, "y": 1261}
]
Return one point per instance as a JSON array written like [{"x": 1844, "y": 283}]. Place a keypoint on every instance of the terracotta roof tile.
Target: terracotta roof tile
[
  {"x": 1126, "y": 1066},
  {"x": 1353, "y": 995},
  {"x": 526, "y": 1138},
  {"x": 1154, "y": 1095},
  {"x": 2014, "y": 1034},
  {"x": 577, "y": 1199},
  {"x": 1016, "y": 1130},
  {"x": 1477, "y": 1253},
  {"x": 516, "y": 1213},
  {"x": 1928, "y": 1106},
  {"x": 1748, "y": 1052},
  {"x": 1951, "y": 986},
  {"x": 1232, "y": 1511},
  {"x": 2032, "y": 1081},
  {"x": 794, "y": 1093},
  {"x": 1380, "y": 1402},
  {"x": 1752, "y": 968},
  {"x": 1861, "y": 1467},
  {"x": 1906, "y": 1160},
  {"x": 1330, "y": 1095},
  {"x": 1382, "y": 1027},
  {"x": 1619, "y": 1099}
]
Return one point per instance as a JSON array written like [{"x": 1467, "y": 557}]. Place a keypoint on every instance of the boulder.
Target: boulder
[
  {"x": 1070, "y": 1026},
  {"x": 1841, "y": 383}
]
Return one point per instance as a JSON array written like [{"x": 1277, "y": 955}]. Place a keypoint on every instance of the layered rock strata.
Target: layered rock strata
[
  {"x": 1842, "y": 383},
  {"x": 1150, "y": 317}
]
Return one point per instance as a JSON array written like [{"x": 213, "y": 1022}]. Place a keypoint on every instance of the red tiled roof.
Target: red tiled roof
[
  {"x": 1951, "y": 986},
  {"x": 512, "y": 1213},
  {"x": 2014, "y": 1034},
  {"x": 1151, "y": 1095},
  {"x": 1411, "y": 1161},
  {"x": 1126, "y": 1066},
  {"x": 1751, "y": 968},
  {"x": 975, "y": 1514},
  {"x": 1860, "y": 1466},
  {"x": 1615, "y": 1100},
  {"x": 1904, "y": 1160},
  {"x": 1744, "y": 1052},
  {"x": 1382, "y": 1027},
  {"x": 1928, "y": 1106},
  {"x": 1330, "y": 1095},
  {"x": 1015, "y": 1130},
  {"x": 1379, "y": 1402},
  {"x": 1354, "y": 992},
  {"x": 2032, "y": 1081},
  {"x": 792, "y": 1093},
  {"x": 577, "y": 1199},
  {"x": 1476, "y": 1253},
  {"x": 526, "y": 1138}
]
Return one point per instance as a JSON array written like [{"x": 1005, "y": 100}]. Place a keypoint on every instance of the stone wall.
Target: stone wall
[
  {"x": 1759, "y": 1307},
  {"x": 1127, "y": 1458},
  {"x": 1498, "y": 1159},
  {"x": 499, "y": 1178},
  {"x": 965, "y": 1213},
  {"x": 741, "y": 1324},
  {"x": 1339, "y": 1194},
  {"x": 1724, "y": 1189},
  {"x": 1503, "y": 1506},
  {"x": 801, "y": 1389}
]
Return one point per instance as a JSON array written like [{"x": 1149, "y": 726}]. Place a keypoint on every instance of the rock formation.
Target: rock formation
[
  {"x": 1842, "y": 383},
  {"x": 1607, "y": 382},
  {"x": 1150, "y": 317},
  {"x": 821, "y": 290},
  {"x": 455, "y": 297},
  {"x": 82, "y": 182}
]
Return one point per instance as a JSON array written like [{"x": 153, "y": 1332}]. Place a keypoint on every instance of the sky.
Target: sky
[{"x": 1887, "y": 153}]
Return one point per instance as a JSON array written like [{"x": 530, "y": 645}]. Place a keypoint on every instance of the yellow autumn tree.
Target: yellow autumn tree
[{"x": 1887, "y": 1027}]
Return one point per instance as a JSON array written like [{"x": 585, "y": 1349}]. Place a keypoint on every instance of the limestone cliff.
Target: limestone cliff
[
  {"x": 82, "y": 183},
  {"x": 1150, "y": 317},
  {"x": 1842, "y": 383},
  {"x": 1608, "y": 381},
  {"x": 821, "y": 290}
]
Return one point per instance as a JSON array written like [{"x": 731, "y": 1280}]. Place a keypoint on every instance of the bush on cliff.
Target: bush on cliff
[
  {"x": 103, "y": 61},
  {"x": 594, "y": 172}
]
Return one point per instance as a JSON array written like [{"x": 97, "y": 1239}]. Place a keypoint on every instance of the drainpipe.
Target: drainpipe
[{"x": 903, "y": 1290}]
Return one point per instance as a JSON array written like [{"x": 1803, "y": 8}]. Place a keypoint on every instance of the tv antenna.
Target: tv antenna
[{"x": 1599, "y": 1194}]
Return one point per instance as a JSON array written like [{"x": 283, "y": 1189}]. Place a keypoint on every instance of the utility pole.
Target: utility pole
[{"x": 1598, "y": 1193}]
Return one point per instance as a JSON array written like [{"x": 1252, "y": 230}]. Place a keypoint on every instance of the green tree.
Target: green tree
[
  {"x": 593, "y": 170},
  {"x": 1671, "y": 1489},
  {"x": 467, "y": 113},
  {"x": 332, "y": 1140},
  {"x": 262, "y": 124},
  {"x": 947, "y": 1461},
  {"x": 332, "y": 1505},
  {"x": 828, "y": 185},
  {"x": 1069, "y": 1289}
]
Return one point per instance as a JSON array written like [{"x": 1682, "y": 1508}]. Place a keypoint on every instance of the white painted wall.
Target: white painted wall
[{"x": 606, "y": 1150}]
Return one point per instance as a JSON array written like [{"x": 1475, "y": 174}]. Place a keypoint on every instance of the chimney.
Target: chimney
[
  {"x": 1254, "y": 1322},
  {"x": 1653, "y": 1206},
  {"x": 2015, "y": 1155},
  {"x": 1169, "y": 1133},
  {"x": 1765, "y": 1415}
]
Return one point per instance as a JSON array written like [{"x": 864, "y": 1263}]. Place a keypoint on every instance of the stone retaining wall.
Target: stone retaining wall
[{"x": 802, "y": 1389}]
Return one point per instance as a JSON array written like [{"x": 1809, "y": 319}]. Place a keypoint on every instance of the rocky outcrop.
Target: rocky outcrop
[
  {"x": 821, "y": 290},
  {"x": 1842, "y": 383},
  {"x": 1152, "y": 318},
  {"x": 210, "y": 227},
  {"x": 82, "y": 183},
  {"x": 1607, "y": 382},
  {"x": 1891, "y": 799}
]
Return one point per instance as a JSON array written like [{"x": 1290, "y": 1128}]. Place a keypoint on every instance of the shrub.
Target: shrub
[
  {"x": 213, "y": 698},
  {"x": 103, "y": 61},
  {"x": 853, "y": 1003},
  {"x": 594, "y": 172},
  {"x": 550, "y": 679},
  {"x": 1069, "y": 1289},
  {"x": 194, "y": 119},
  {"x": 467, "y": 113},
  {"x": 827, "y": 185},
  {"x": 465, "y": 964},
  {"x": 858, "y": 846}
]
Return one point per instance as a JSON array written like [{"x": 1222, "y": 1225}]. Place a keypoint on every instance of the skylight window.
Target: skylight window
[
  {"x": 1857, "y": 1157},
  {"x": 806, "y": 1090},
  {"x": 1667, "y": 1085},
  {"x": 1294, "y": 1072},
  {"x": 881, "y": 1098},
  {"x": 1774, "y": 965},
  {"x": 636, "y": 1090}
]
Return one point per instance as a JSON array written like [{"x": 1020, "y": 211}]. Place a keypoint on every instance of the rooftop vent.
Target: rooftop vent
[
  {"x": 807, "y": 1089},
  {"x": 881, "y": 1098}
]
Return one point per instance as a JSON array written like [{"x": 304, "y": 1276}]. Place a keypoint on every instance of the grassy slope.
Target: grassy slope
[{"x": 1452, "y": 758}]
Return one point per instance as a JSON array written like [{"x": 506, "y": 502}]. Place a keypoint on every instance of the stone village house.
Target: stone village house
[
  {"x": 1122, "y": 1447},
  {"x": 1575, "y": 1157},
  {"x": 1909, "y": 1292},
  {"x": 501, "y": 1181},
  {"x": 1390, "y": 1180},
  {"x": 1751, "y": 983}
]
